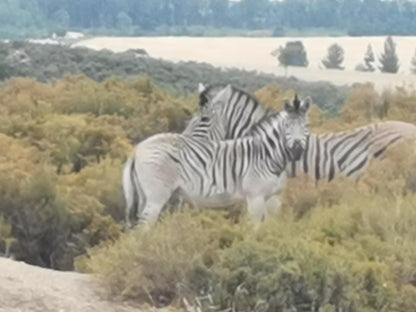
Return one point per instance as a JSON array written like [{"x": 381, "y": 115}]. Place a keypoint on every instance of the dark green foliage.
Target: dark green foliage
[
  {"x": 388, "y": 59},
  {"x": 293, "y": 54},
  {"x": 200, "y": 17},
  {"x": 413, "y": 61},
  {"x": 5, "y": 71},
  {"x": 369, "y": 60},
  {"x": 49, "y": 62},
  {"x": 334, "y": 58}
]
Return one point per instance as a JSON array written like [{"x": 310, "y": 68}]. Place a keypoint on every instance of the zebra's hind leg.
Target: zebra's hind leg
[
  {"x": 273, "y": 205},
  {"x": 256, "y": 208}
]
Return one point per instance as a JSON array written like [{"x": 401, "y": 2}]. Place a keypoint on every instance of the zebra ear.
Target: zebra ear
[
  {"x": 201, "y": 87},
  {"x": 289, "y": 106},
  {"x": 306, "y": 105}
]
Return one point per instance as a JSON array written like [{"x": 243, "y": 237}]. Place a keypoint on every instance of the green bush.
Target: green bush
[{"x": 48, "y": 62}]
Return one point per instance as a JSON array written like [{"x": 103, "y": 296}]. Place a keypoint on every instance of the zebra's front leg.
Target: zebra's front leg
[{"x": 256, "y": 208}]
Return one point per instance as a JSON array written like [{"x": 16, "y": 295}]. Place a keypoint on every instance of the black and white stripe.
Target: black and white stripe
[
  {"x": 208, "y": 172},
  {"x": 327, "y": 155},
  {"x": 348, "y": 153}
]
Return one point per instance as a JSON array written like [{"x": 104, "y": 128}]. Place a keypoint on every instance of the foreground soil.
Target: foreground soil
[{"x": 28, "y": 288}]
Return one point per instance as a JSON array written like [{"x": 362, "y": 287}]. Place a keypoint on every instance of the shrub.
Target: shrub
[
  {"x": 334, "y": 58},
  {"x": 389, "y": 60},
  {"x": 293, "y": 54}
]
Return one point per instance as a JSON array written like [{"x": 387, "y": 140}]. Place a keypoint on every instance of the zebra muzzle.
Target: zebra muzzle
[{"x": 297, "y": 150}]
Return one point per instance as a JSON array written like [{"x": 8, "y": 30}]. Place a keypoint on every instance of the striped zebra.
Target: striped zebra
[
  {"x": 207, "y": 125},
  {"x": 348, "y": 153},
  {"x": 212, "y": 173},
  {"x": 326, "y": 155}
]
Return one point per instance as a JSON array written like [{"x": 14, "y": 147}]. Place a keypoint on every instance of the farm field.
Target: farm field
[{"x": 255, "y": 54}]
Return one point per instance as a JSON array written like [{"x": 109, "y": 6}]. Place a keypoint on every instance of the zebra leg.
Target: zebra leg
[
  {"x": 256, "y": 208},
  {"x": 156, "y": 197},
  {"x": 273, "y": 204}
]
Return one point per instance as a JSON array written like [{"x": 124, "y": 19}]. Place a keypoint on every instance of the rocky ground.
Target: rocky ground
[{"x": 28, "y": 288}]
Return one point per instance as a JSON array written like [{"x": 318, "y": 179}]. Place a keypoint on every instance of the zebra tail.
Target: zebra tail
[{"x": 132, "y": 191}]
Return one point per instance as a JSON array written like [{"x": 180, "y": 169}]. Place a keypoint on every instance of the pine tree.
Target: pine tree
[
  {"x": 334, "y": 58},
  {"x": 369, "y": 59},
  {"x": 389, "y": 60},
  {"x": 413, "y": 69}
]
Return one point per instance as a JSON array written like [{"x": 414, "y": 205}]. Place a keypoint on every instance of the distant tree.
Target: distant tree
[
  {"x": 369, "y": 59},
  {"x": 334, "y": 58},
  {"x": 389, "y": 60},
  {"x": 292, "y": 54},
  {"x": 5, "y": 71},
  {"x": 413, "y": 62},
  {"x": 124, "y": 22}
]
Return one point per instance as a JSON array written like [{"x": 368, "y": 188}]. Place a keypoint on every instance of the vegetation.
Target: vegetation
[
  {"x": 206, "y": 17},
  {"x": 62, "y": 147},
  {"x": 388, "y": 59},
  {"x": 369, "y": 60},
  {"x": 334, "y": 58},
  {"x": 293, "y": 54},
  {"x": 344, "y": 246},
  {"x": 413, "y": 61},
  {"x": 47, "y": 63}
]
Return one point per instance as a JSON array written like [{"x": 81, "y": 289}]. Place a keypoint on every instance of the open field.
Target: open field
[{"x": 254, "y": 54}]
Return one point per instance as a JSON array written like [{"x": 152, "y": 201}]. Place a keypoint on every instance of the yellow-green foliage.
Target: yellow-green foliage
[
  {"x": 341, "y": 246},
  {"x": 337, "y": 257},
  {"x": 62, "y": 148}
]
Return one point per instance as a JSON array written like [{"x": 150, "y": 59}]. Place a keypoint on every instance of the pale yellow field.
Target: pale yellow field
[{"x": 254, "y": 54}]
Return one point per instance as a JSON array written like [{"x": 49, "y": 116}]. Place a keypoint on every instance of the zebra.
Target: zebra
[
  {"x": 348, "y": 153},
  {"x": 213, "y": 173},
  {"x": 207, "y": 125},
  {"x": 240, "y": 112},
  {"x": 326, "y": 156}
]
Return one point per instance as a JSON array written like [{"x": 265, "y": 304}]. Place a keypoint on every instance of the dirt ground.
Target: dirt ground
[{"x": 25, "y": 288}]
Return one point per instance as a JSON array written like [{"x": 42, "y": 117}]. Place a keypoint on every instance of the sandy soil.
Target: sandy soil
[
  {"x": 25, "y": 288},
  {"x": 254, "y": 54}
]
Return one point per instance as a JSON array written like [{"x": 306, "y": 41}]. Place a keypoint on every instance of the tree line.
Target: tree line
[
  {"x": 22, "y": 18},
  {"x": 294, "y": 54}
]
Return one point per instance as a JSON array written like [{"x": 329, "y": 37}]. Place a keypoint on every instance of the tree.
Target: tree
[
  {"x": 334, "y": 58},
  {"x": 293, "y": 54},
  {"x": 413, "y": 69},
  {"x": 369, "y": 59},
  {"x": 389, "y": 60},
  {"x": 124, "y": 22}
]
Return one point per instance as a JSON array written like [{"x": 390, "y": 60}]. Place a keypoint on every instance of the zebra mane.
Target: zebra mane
[
  {"x": 265, "y": 120},
  {"x": 213, "y": 89},
  {"x": 216, "y": 87}
]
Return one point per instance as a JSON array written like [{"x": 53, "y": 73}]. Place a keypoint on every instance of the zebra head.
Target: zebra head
[
  {"x": 208, "y": 123},
  {"x": 296, "y": 126}
]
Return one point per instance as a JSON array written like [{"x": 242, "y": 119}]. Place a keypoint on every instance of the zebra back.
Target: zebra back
[
  {"x": 326, "y": 155},
  {"x": 239, "y": 109},
  {"x": 348, "y": 153}
]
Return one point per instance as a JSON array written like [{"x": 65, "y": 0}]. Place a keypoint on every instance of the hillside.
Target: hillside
[{"x": 50, "y": 62}]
